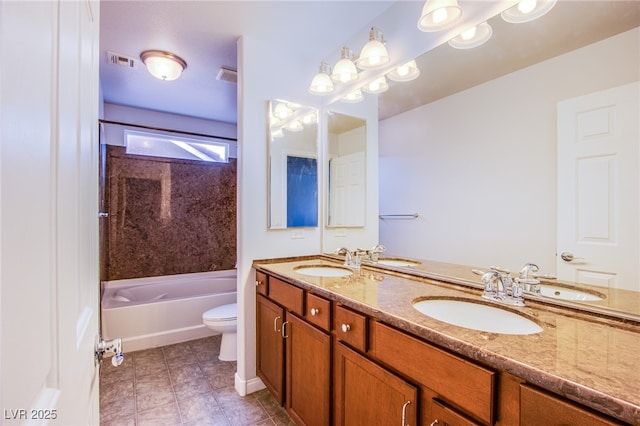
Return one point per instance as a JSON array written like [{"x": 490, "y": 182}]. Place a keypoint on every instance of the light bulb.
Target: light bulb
[
  {"x": 526, "y": 6},
  {"x": 440, "y": 15},
  {"x": 469, "y": 34}
]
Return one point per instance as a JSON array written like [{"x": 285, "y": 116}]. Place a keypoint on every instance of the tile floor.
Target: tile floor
[{"x": 181, "y": 384}]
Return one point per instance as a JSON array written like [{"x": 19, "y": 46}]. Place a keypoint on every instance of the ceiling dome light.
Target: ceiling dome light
[
  {"x": 353, "y": 97},
  {"x": 321, "y": 83},
  {"x": 473, "y": 37},
  {"x": 163, "y": 65},
  {"x": 438, "y": 14},
  {"x": 345, "y": 70},
  {"x": 406, "y": 72},
  {"x": 378, "y": 85},
  {"x": 527, "y": 10},
  {"x": 373, "y": 54}
]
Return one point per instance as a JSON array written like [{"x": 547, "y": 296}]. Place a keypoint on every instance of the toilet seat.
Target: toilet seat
[{"x": 222, "y": 313}]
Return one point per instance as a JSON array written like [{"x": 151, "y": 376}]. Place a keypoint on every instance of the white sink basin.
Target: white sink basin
[
  {"x": 323, "y": 271},
  {"x": 567, "y": 294},
  {"x": 398, "y": 262},
  {"x": 477, "y": 316}
]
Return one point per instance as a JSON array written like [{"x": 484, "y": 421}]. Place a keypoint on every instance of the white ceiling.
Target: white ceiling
[{"x": 204, "y": 33}]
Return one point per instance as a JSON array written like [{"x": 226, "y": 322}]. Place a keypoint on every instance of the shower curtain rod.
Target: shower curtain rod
[{"x": 139, "y": 126}]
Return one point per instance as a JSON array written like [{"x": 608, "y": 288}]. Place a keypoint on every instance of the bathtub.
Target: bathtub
[{"x": 157, "y": 311}]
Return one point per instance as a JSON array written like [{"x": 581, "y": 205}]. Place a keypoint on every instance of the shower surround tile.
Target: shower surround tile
[{"x": 167, "y": 216}]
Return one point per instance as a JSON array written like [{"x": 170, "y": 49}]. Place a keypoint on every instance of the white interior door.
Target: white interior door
[
  {"x": 598, "y": 188},
  {"x": 49, "y": 211},
  {"x": 347, "y": 190}
]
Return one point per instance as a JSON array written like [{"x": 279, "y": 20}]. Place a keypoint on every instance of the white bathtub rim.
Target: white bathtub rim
[{"x": 194, "y": 276}]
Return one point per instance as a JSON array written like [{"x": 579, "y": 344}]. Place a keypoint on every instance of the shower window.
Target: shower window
[{"x": 158, "y": 145}]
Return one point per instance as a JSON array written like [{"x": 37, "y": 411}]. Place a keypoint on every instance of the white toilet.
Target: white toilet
[{"x": 224, "y": 319}]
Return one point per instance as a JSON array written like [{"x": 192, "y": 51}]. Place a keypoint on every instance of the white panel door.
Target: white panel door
[
  {"x": 598, "y": 188},
  {"x": 49, "y": 211},
  {"x": 347, "y": 190}
]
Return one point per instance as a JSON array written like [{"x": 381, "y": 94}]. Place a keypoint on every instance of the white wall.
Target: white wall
[
  {"x": 480, "y": 166},
  {"x": 270, "y": 72}
]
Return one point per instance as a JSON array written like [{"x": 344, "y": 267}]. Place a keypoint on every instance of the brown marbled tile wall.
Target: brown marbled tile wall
[{"x": 167, "y": 216}]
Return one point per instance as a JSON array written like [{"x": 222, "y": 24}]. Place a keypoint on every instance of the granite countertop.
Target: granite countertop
[{"x": 591, "y": 360}]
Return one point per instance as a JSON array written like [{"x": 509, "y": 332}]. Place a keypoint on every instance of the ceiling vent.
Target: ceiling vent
[
  {"x": 227, "y": 74},
  {"x": 122, "y": 60}
]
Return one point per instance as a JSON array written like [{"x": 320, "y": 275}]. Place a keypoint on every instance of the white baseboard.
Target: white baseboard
[
  {"x": 147, "y": 341},
  {"x": 246, "y": 387}
]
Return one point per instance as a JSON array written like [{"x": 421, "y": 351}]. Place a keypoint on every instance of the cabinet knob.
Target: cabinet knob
[
  {"x": 345, "y": 328},
  {"x": 258, "y": 283},
  {"x": 314, "y": 311}
]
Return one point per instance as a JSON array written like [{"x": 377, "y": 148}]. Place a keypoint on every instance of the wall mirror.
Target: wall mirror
[
  {"x": 569, "y": 26},
  {"x": 293, "y": 165},
  {"x": 346, "y": 153}
]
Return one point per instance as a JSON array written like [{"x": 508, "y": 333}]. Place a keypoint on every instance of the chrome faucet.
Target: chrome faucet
[
  {"x": 374, "y": 253},
  {"x": 528, "y": 270},
  {"x": 347, "y": 255},
  {"x": 495, "y": 289}
]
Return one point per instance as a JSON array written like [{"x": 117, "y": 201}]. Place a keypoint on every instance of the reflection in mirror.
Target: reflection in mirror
[
  {"x": 485, "y": 154},
  {"x": 347, "y": 139},
  {"x": 293, "y": 168}
]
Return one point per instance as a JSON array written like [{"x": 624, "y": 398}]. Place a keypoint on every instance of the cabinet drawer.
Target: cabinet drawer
[
  {"x": 262, "y": 283},
  {"x": 539, "y": 408},
  {"x": 351, "y": 327},
  {"x": 318, "y": 311},
  {"x": 463, "y": 385},
  {"x": 288, "y": 296}
]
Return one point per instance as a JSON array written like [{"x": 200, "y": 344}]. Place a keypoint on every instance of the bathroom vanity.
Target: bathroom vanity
[{"x": 351, "y": 349}]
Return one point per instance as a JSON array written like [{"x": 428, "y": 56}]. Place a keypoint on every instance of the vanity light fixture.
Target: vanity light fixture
[
  {"x": 321, "y": 83},
  {"x": 406, "y": 72},
  {"x": 373, "y": 54},
  {"x": 438, "y": 14},
  {"x": 282, "y": 111},
  {"x": 472, "y": 37},
  {"x": 294, "y": 126},
  {"x": 378, "y": 85},
  {"x": 310, "y": 118},
  {"x": 345, "y": 70},
  {"x": 163, "y": 65},
  {"x": 353, "y": 97},
  {"x": 527, "y": 10}
]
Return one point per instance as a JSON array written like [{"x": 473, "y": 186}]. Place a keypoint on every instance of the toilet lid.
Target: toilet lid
[{"x": 224, "y": 312}]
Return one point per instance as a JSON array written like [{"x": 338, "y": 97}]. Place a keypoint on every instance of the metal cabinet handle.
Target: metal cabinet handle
[
  {"x": 345, "y": 328},
  {"x": 404, "y": 412},
  {"x": 314, "y": 311},
  {"x": 284, "y": 329},
  {"x": 435, "y": 422},
  {"x": 275, "y": 324}
]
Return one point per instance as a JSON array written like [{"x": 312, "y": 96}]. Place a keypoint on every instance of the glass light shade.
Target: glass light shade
[
  {"x": 163, "y": 65},
  {"x": 294, "y": 126},
  {"x": 373, "y": 54},
  {"x": 310, "y": 118},
  {"x": 278, "y": 133},
  {"x": 282, "y": 111},
  {"x": 345, "y": 70},
  {"x": 378, "y": 85},
  {"x": 353, "y": 97},
  {"x": 321, "y": 83},
  {"x": 473, "y": 37},
  {"x": 438, "y": 14},
  {"x": 406, "y": 72},
  {"x": 527, "y": 10}
]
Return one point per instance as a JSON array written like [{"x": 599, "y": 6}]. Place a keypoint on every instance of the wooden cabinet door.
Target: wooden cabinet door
[
  {"x": 308, "y": 367},
  {"x": 270, "y": 346},
  {"x": 367, "y": 394}
]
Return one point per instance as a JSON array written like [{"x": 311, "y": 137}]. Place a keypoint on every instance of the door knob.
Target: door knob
[
  {"x": 567, "y": 256},
  {"x": 114, "y": 345}
]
